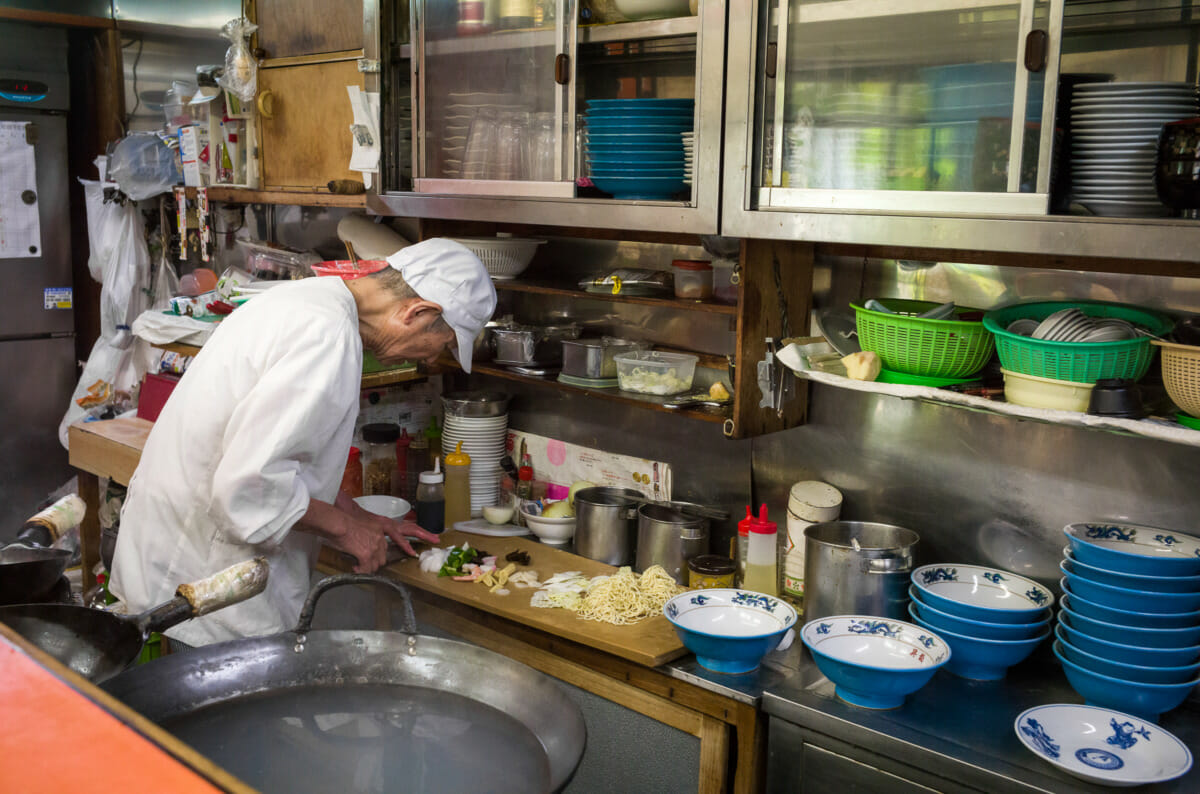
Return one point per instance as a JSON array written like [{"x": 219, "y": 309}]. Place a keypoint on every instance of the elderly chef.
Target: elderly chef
[{"x": 247, "y": 456}]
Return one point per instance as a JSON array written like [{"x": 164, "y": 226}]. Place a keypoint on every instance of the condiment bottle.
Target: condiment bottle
[
  {"x": 352, "y": 477},
  {"x": 524, "y": 490},
  {"x": 433, "y": 437},
  {"x": 401, "y": 484},
  {"x": 420, "y": 456},
  {"x": 458, "y": 486},
  {"x": 379, "y": 457},
  {"x": 743, "y": 544},
  {"x": 761, "y": 556},
  {"x": 431, "y": 499}
]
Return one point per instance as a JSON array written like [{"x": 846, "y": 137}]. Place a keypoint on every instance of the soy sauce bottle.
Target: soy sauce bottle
[{"x": 431, "y": 499}]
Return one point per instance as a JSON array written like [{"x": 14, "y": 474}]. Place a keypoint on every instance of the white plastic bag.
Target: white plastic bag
[
  {"x": 240, "y": 77},
  {"x": 120, "y": 261},
  {"x": 143, "y": 166}
]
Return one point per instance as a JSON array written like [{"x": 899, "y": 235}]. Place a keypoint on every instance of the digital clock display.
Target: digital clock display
[{"x": 21, "y": 90}]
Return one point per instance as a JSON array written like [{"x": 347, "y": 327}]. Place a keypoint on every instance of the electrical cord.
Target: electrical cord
[{"x": 137, "y": 97}]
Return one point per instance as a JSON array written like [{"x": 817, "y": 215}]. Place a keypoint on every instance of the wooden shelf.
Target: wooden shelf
[
  {"x": 370, "y": 380},
  {"x": 306, "y": 198},
  {"x": 715, "y": 415},
  {"x": 578, "y": 294}
]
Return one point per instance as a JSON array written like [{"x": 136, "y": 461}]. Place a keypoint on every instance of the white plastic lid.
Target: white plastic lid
[{"x": 435, "y": 476}]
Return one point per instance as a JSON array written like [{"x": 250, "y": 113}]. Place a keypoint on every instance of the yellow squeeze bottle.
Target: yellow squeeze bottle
[{"x": 458, "y": 487}]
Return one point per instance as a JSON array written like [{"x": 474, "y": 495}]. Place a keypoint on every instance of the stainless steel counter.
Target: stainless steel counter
[{"x": 953, "y": 729}]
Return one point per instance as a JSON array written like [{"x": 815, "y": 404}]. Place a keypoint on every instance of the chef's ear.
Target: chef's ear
[{"x": 421, "y": 313}]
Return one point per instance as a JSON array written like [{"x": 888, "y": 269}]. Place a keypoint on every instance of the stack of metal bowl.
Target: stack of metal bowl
[
  {"x": 992, "y": 619},
  {"x": 1128, "y": 632}
]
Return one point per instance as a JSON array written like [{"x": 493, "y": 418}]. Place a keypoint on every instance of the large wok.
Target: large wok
[
  {"x": 28, "y": 568},
  {"x": 98, "y": 644},
  {"x": 363, "y": 711}
]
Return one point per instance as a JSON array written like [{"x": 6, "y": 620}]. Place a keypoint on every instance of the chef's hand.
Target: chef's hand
[
  {"x": 366, "y": 544},
  {"x": 398, "y": 531}
]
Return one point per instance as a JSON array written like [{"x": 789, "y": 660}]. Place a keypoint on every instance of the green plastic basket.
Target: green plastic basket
[
  {"x": 930, "y": 348},
  {"x": 888, "y": 376},
  {"x": 1080, "y": 362}
]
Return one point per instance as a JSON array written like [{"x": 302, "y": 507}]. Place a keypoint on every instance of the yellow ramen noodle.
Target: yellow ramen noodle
[{"x": 625, "y": 598}]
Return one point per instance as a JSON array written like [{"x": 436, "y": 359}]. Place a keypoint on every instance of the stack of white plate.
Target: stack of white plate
[
  {"x": 689, "y": 155},
  {"x": 1114, "y": 133},
  {"x": 483, "y": 440}
]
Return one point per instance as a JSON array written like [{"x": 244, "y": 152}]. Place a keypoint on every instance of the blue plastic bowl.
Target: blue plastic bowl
[
  {"x": 633, "y": 162},
  {"x": 1147, "y": 701},
  {"x": 982, "y": 660},
  {"x": 1131, "y": 600},
  {"x": 729, "y": 630},
  {"x": 677, "y": 173},
  {"x": 650, "y": 188},
  {"x": 975, "y": 628},
  {"x": 1125, "y": 617},
  {"x": 1132, "y": 548},
  {"x": 634, "y": 150},
  {"x": 634, "y": 139},
  {"x": 646, "y": 126},
  {"x": 1122, "y": 652},
  {"x": 976, "y": 592},
  {"x": 651, "y": 102},
  {"x": 1157, "y": 584},
  {"x": 1140, "y": 636},
  {"x": 1140, "y": 673},
  {"x": 874, "y": 662}
]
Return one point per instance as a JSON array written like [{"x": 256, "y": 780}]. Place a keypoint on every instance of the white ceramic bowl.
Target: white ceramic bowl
[
  {"x": 550, "y": 530},
  {"x": 652, "y": 9},
  {"x": 1102, "y": 746},
  {"x": 1034, "y": 392},
  {"x": 382, "y": 505},
  {"x": 977, "y": 593}
]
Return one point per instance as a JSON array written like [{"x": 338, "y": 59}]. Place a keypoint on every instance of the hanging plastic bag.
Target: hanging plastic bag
[
  {"x": 120, "y": 261},
  {"x": 143, "y": 166},
  {"x": 241, "y": 71}
]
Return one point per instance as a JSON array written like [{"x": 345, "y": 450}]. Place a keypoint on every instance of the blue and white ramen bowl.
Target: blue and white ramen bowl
[{"x": 730, "y": 630}]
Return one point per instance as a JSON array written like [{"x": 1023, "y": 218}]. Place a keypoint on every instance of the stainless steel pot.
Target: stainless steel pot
[
  {"x": 857, "y": 568},
  {"x": 525, "y": 345},
  {"x": 368, "y": 711},
  {"x": 606, "y": 524},
  {"x": 593, "y": 358},
  {"x": 475, "y": 403},
  {"x": 669, "y": 537}
]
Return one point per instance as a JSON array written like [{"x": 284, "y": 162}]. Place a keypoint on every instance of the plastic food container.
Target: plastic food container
[
  {"x": 593, "y": 358},
  {"x": 693, "y": 279},
  {"x": 655, "y": 372}
]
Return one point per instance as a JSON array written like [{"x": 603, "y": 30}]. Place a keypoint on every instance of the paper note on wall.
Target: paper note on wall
[
  {"x": 20, "y": 227},
  {"x": 562, "y": 464}
]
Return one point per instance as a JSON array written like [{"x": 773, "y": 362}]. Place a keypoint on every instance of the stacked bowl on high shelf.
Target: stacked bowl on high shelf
[
  {"x": 1128, "y": 632},
  {"x": 991, "y": 619},
  {"x": 635, "y": 148},
  {"x": 1114, "y": 143},
  {"x": 1053, "y": 353},
  {"x": 923, "y": 343},
  {"x": 478, "y": 419}
]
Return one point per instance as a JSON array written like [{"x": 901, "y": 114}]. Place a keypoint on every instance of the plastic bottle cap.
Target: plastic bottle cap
[
  {"x": 355, "y": 454},
  {"x": 458, "y": 457},
  {"x": 404, "y": 440},
  {"x": 435, "y": 476},
  {"x": 433, "y": 431},
  {"x": 761, "y": 526},
  {"x": 381, "y": 433},
  {"x": 744, "y": 524},
  {"x": 525, "y": 473},
  {"x": 691, "y": 264}
]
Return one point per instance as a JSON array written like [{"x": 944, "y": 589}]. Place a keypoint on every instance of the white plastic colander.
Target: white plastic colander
[{"x": 503, "y": 257}]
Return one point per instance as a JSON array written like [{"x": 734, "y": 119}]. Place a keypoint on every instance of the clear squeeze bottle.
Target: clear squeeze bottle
[
  {"x": 431, "y": 499},
  {"x": 458, "y": 486},
  {"x": 761, "y": 556}
]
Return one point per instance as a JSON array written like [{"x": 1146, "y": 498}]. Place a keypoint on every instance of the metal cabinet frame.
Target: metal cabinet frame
[{"x": 698, "y": 217}]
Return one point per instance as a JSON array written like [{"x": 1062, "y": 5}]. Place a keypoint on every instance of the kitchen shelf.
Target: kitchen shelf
[
  {"x": 639, "y": 31},
  {"x": 670, "y": 303},
  {"x": 715, "y": 415},
  {"x": 588, "y": 34},
  {"x": 839, "y": 10},
  {"x": 306, "y": 198},
  {"x": 370, "y": 380}
]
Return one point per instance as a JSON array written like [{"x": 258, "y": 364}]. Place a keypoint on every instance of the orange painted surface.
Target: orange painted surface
[{"x": 53, "y": 739}]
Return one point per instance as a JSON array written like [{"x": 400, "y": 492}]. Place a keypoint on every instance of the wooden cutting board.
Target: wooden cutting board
[{"x": 651, "y": 642}]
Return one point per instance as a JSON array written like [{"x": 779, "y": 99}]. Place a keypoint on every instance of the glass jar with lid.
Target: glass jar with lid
[{"x": 379, "y": 457}]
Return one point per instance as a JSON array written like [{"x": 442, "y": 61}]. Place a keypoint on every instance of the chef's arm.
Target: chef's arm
[{"x": 349, "y": 528}]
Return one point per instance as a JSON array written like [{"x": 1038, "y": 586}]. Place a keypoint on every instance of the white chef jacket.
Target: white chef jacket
[{"x": 260, "y": 424}]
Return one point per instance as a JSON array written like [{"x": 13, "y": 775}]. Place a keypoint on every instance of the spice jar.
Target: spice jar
[
  {"x": 379, "y": 457},
  {"x": 352, "y": 477},
  {"x": 710, "y": 570},
  {"x": 693, "y": 279}
]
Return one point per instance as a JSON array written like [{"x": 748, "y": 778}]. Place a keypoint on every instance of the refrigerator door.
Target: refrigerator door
[
  {"x": 26, "y": 306},
  {"x": 41, "y": 375}
]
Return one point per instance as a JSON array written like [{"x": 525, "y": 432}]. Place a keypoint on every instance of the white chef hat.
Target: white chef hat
[{"x": 448, "y": 274}]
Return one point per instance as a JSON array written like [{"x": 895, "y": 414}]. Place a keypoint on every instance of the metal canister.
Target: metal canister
[
  {"x": 606, "y": 524},
  {"x": 669, "y": 537},
  {"x": 857, "y": 568}
]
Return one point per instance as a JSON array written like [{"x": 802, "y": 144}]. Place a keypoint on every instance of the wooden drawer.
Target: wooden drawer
[{"x": 306, "y": 141}]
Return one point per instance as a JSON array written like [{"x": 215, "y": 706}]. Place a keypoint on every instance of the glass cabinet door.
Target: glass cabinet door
[
  {"x": 906, "y": 105},
  {"x": 494, "y": 92}
]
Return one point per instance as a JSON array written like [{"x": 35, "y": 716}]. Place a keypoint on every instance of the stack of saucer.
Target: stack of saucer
[
  {"x": 689, "y": 155},
  {"x": 482, "y": 439}
]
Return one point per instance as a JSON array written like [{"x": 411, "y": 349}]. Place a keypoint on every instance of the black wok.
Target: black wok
[
  {"x": 28, "y": 568},
  {"x": 98, "y": 644},
  {"x": 363, "y": 711}
]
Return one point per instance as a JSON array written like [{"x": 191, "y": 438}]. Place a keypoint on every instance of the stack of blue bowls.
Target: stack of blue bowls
[
  {"x": 634, "y": 149},
  {"x": 1128, "y": 632},
  {"x": 991, "y": 619}
]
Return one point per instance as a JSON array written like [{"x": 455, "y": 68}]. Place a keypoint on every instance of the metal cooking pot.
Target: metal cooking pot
[
  {"x": 669, "y": 537},
  {"x": 475, "y": 403},
  {"x": 857, "y": 568},
  {"x": 606, "y": 523},
  {"x": 98, "y": 644},
  {"x": 370, "y": 710}
]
